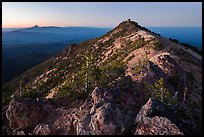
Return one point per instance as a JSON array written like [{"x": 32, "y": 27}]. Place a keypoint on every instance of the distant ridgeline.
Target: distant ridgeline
[
  {"x": 199, "y": 51},
  {"x": 187, "y": 45}
]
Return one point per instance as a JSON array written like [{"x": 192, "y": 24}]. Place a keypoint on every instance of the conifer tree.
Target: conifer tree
[{"x": 21, "y": 82}]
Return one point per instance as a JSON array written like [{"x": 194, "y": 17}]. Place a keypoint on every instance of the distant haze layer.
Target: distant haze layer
[{"x": 189, "y": 35}]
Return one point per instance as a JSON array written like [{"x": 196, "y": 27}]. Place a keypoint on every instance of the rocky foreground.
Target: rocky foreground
[{"x": 103, "y": 113}]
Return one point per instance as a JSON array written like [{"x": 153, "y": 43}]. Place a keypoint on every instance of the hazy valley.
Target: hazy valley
[{"x": 27, "y": 47}]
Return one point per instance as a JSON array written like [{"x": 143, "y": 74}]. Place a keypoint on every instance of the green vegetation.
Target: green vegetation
[
  {"x": 80, "y": 71},
  {"x": 26, "y": 77},
  {"x": 135, "y": 45},
  {"x": 174, "y": 40},
  {"x": 141, "y": 63},
  {"x": 121, "y": 53},
  {"x": 130, "y": 57},
  {"x": 199, "y": 51},
  {"x": 179, "y": 111},
  {"x": 157, "y": 45},
  {"x": 88, "y": 75},
  {"x": 83, "y": 80},
  {"x": 143, "y": 28},
  {"x": 27, "y": 92},
  {"x": 160, "y": 92}
]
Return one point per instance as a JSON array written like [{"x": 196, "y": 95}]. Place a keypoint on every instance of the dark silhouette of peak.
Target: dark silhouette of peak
[{"x": 36, "y": 26}]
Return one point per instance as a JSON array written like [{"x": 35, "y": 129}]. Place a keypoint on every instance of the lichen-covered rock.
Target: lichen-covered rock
[
  {"x": 151, "y": 120},
  {"x": 41, "y": 118},
  {"x": 19, "y": 133},
  {"x": 23, "y": 114},
  {"x": 157, "y": 126},
  {"x": 44, "y": 129},
  {"x": 98, "y": 120},
  {"x": 63, "y": 121},
  {"x": 106, "y": 116},
  {"x": 152, "y": 108}
]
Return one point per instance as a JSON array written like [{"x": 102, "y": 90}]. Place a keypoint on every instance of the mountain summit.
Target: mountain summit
[
  {"x": 151, "y": 85},
  {"x": 36, "y": 26},
  {"x": 128, "y": 23}
]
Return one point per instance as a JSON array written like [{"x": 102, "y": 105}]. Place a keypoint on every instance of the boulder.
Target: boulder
[
  {"x": 157, "y": 126},
  {"x": 43, "y": 129},
  {"x": 23, "y": 114},
  {"x": 152, "y": 108},
  {"x": 152, "y": 120},
  {"x": 106, "y": 116},
  {"x": 19, "y": 133}
]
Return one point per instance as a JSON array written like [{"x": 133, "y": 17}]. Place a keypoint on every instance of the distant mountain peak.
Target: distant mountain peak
[{"x": 36, "y": 26}]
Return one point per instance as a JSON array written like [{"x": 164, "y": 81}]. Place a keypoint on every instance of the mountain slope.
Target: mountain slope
[
  {"x": 129, "y": 64},
  {"x": 39, "y": 40}
]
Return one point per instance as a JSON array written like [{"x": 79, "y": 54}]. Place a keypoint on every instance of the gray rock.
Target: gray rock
[
  {"x": 105, "y": 117},
  {"x": 150, "y": 120},
  {"x": 152, "y": 108},
  {"x": 19, "y": 133},
  {"x": 23, "y": 114},
  {"x": 43, "y": 129},
  {"x": 157, "y": 126}
]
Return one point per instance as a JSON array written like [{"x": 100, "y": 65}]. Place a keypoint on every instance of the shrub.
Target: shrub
[
  {"x": 157, "y": 45},
  {"x": 192, "y": 48},
  {"x": 159, "y": 91},
  {"x": 27, "y": 93},
  {"x": 130, "y": 57},
  {"x": 141, "y": 63},
  {"x": 174, "y": 40}
]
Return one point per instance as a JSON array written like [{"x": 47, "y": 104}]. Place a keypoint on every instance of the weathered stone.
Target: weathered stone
[
  {"x": 24, "y": 114},
  {"x": 106, "y": 116},
  {"x": 44, "y": 129},
  {"x": 19, "y": 133},
  {"x": 150, "y": 120},
  {"x": 157, "y": 126},
  {"x": 152, "y": 108}
]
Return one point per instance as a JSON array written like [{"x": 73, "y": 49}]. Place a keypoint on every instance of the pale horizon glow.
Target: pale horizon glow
[{"x": 101, "y": 14}]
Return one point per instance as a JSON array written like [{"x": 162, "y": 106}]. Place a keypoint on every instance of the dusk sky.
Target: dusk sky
[{"x": 100, "y": 14}]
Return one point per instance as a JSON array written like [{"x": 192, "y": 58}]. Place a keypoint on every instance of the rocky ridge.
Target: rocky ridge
[
  {"x": 95, "y": 119},
  {"x": 140, "y": 59}
]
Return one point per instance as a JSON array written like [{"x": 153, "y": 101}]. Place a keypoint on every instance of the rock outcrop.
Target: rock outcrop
[
  {"x": 24, "y": 114},
  {"x": 104, "y": 112},
  {"x": 151, "y": 122},
  {"x": 44, "y": 129},
  {"x": 29, "y": 116},
  {"x": 99, "y": 120},
  {"x": 152, "y": 108},
  {"x": 157, "y": 126},
  {"x": 108, "y": 112}
]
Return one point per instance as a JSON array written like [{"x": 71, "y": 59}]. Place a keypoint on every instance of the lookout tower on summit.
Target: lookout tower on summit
[{"x": 128, "y": 20}]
